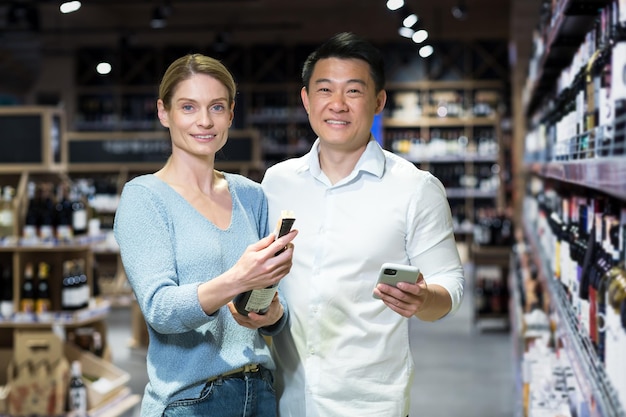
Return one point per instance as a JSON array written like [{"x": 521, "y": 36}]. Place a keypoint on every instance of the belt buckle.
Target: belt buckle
[{"x": 251, "y": 368}]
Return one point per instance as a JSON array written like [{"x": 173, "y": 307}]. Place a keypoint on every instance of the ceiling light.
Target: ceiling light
[
  {"x": 159, "y": 19},
  {"x": 426, "y": 51},
  {"x": 410, "y": 20},
  {"x": 103, "y": 68},
  {"x": 420, "y": 36},
  {"x": 460, "y": 10},
  {"x": 69, "y": 7},
  {"x": 406, "y": 32},
  {"x": 394, "y": 4}
]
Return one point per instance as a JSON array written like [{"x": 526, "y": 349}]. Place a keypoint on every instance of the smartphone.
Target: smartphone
[{"x": 391, "y": 274}]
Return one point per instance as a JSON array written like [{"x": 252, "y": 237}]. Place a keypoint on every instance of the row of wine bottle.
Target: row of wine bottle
[
  {"x": 55, "y": 213},
  {"x": 586, "y": 239},
  {"x": 587, "y": 118},
  {"x": 37, "y": 294}
]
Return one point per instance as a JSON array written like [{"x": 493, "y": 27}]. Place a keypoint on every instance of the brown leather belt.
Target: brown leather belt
[{"x": 250, "y": 368}]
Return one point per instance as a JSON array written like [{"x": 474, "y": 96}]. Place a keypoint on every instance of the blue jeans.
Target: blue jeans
[{"x": 252, "y": 395}]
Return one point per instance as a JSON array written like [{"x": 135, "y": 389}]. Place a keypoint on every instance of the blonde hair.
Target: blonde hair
[{"x": 186, "y": 66}]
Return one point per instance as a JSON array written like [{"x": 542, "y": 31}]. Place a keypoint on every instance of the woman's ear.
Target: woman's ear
[{"x": 162, "y": 113}]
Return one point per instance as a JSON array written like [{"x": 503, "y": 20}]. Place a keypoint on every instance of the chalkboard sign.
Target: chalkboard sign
[
  {"x": 237, "y": 150},
  {"x": 21, "y": 139},
  {"x": 118, "y": 151},
  {"x": 151, "y": 147}
]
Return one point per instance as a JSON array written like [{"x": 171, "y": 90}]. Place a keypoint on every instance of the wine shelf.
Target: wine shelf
[{"x": 588, "y": 369}]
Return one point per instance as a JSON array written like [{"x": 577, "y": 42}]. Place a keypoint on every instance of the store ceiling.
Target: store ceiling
[
  {"x": 247, "y": 21},
  {"x": 30, "y": 29}
]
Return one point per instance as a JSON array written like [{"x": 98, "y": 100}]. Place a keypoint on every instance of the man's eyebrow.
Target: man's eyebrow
[{"x": 353, "y": 80}]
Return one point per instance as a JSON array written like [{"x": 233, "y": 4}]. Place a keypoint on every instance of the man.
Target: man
[{"x": 344, "y": 352}]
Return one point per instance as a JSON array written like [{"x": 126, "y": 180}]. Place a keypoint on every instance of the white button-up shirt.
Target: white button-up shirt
[{"x": 343, "y": 352}]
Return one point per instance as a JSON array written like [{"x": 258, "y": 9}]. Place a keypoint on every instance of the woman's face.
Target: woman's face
[{"x": 199, "y": 116}]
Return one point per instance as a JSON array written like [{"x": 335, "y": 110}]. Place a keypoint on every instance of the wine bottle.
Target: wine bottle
[
  {"x": 79, "y": 214},
  {"x": 6, "y": 288},
  {"x": 27, "y": 296},
  {"x": 64, "y": 214},
  {"x": 97, "y": 346},
  {"x": 77, "y": 392},
  {"x": 68, "y": 288},
  {"x": 6, "y": 213},
  {"x": 30, "y": 231},
  {"x": 43, "y": 303},
  {"x": 259, "y": 300},
  {"x": 82, "y": 286}
]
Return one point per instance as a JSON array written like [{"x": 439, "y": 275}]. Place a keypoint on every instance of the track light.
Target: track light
[
  {"x": 420, "y": 36},
  {"x": 406, "y": 32},
  {"x": 460, "y": 10},
  {"x": 160, "y": 15},
  {"x": 69, "y": 7},
  {"x": 426, "y": 51},
  {"x": 159, "y": 20},
  {"x": 103, "y": 68},
  {"x": 395, "y": 4},
  {"x": 410, "y": 20}
]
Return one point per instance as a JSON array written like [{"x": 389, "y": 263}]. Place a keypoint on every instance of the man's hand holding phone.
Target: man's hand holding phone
[{"x": 402, "y": 288}]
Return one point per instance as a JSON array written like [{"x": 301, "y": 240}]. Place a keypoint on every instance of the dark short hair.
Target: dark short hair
[{"x": 347, "y": 45}]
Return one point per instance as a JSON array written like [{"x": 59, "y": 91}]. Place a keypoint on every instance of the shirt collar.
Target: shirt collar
[{"x": 372, "y": 161}]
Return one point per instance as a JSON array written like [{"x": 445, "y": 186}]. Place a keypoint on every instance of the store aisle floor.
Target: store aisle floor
[{"x": 459, "y": 371}]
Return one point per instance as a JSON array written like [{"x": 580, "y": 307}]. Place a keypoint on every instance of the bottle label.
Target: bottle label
[
  {"x": 78, "y": 399},
  {"x": 46, "y": 232},
  {"x": 27, "y": 305},
  {"x": 6, "y": 218},
  {"x": 30, "y": 232},
  {"x": 79, "y": 220},
  {"x": 260, "y": 299},
  {"x": 64, "y": 233}
]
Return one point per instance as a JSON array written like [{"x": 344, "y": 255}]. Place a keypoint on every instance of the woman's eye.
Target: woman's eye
[
  {"x": 187, "y": 107},
  {"x": 218, "y": 108}
]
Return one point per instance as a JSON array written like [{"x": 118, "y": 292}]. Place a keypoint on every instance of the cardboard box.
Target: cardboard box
[
  {"x": 103, "y": 379},
  {"x": 5, "y": 358},
  {"x": 37, "y": 375}
]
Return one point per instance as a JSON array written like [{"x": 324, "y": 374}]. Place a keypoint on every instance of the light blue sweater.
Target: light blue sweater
[{"x": 168, "y": 249}]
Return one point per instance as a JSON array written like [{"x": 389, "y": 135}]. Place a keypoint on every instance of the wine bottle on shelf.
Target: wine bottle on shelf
[
  {"x": 68, "y": 287},
  {"x": 97, "y": 346},
  {"x": 63, "y": 208},
  {"x": 27, "y": 296},
  {"x": 47, "y": 225},
  {"x": 43, "y": 304},
  {"x": 259, "y": 300},
  {"x": 82, "y": 286},
  {"x": 79, "y": 214},
  {"x": 615, "y": 343},
  {"x": 6, "y": 213},
  {"x": 77, "y": 392},
  {"x": 6, "y": 288},
  {"x": 30, "y": 230}
]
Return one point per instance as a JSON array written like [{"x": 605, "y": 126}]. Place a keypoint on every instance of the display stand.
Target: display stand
[{"x": 490, "y": 301}]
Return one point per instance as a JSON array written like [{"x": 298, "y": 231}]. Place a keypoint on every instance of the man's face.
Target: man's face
[{"x": 341, "y": 101}]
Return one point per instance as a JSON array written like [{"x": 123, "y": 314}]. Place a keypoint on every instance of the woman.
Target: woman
[{"x": 192, "y": 238}]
